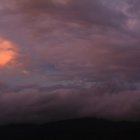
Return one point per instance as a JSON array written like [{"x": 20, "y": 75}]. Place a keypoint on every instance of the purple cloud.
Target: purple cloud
[{"x": 75, "y": 58}]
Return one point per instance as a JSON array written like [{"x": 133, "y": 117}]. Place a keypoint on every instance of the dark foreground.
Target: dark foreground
[{"x": 87, "y": 129}]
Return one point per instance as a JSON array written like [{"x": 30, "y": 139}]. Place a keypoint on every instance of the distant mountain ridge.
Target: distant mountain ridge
[{"x": 82, "y": 128}]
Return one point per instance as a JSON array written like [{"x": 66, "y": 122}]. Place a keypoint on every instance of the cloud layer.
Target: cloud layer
[
  {"x": 43, "y": 104},
  {"x": 75, "y": 58}
]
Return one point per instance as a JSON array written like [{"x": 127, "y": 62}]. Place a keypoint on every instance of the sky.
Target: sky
[{"x": 62, "y": 59}]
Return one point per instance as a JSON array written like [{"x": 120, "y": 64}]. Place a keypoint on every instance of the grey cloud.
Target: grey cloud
[{"x": 38, "y": 104}]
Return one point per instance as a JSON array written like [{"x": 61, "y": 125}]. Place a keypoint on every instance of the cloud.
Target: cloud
[
  {"x": 8, "y": 52},
  {"x": 43, "y": 104},
  {"x": 49, "y": 19},
  {"x": 76, "y": 35},
  {"x": 88, "y": 11},
  {"x": 77, "y": 58}
]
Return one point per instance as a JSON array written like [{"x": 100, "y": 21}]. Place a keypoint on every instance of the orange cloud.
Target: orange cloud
[{"x": 8, "y": 52}]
